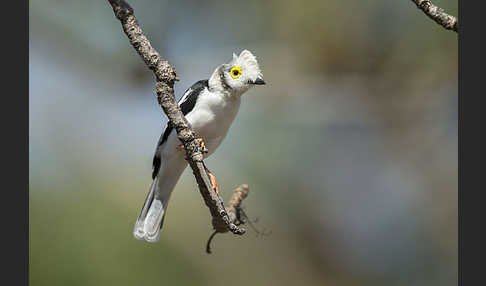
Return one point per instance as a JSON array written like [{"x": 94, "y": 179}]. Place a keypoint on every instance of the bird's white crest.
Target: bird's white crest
[
  {"x": 248, "y": 63},
  {"x": 237, "y": 82}
]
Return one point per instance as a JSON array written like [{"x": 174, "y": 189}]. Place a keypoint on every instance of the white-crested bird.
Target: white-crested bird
[{"x": 210, "y": 106}]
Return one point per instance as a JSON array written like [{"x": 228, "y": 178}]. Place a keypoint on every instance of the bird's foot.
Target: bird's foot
[{"x": 202, "y": 144}]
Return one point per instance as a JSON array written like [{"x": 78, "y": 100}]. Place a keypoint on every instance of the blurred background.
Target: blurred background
[{"x": 361, "y": 188}]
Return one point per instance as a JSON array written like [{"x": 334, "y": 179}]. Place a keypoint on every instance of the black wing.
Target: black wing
[{"x": 187, "y": 103}]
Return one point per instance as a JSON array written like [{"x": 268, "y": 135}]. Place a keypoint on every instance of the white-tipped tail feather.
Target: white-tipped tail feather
[
  {"x": 149, "y": 221},
  {"x": 153, "y": 221}
]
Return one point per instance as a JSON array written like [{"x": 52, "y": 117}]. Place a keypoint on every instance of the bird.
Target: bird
[{"x": 210, "y": 106}]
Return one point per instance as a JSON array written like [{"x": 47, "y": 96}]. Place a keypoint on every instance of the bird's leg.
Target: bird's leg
[{"x": 213, "y": 180}]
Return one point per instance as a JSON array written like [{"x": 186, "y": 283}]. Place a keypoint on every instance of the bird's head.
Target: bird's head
[{"x": 237, "y": 76}]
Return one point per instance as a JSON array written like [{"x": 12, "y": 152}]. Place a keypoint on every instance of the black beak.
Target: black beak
[{"x": 259, "y": 81}]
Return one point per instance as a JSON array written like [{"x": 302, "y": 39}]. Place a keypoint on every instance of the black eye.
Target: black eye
[{"x": 235, "y": 72}]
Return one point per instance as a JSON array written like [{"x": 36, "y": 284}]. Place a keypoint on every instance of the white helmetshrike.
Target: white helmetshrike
[{"x": 210, "y": 106}]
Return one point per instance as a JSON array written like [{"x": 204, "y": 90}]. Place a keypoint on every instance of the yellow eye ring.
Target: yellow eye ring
[{"x": 235, "y": 72}]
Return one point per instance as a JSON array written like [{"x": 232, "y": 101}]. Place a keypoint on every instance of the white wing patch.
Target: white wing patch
[{"x": 184, "y": 97}]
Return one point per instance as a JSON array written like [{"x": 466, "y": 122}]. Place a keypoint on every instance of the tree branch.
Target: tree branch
[
  {"x": 234, "y": 213},
  {"x": 438, "y": 15},
  {"x": 165, "y": 76}
]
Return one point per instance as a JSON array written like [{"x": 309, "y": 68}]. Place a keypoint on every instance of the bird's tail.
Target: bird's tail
[{"x": 151, "y": 218}]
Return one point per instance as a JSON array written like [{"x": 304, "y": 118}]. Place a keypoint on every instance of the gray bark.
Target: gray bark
[{"x": 438, "y": 15}]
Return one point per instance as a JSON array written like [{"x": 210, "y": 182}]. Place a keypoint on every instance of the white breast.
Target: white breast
[{"x": 212, "y": 117}]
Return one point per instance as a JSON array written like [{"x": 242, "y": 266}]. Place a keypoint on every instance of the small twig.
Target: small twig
[
  {"x": 438, "y": 15},
  {"x": 208, "y": 244},
  {"x": 234, "y": 205},
  {"x": 234, "y": 213},
  {"x": 165, "y": 76}
]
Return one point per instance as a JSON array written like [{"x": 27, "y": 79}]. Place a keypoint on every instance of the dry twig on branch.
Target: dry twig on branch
[
  {"x": 234, "y": 209},
  {"x": 165, "y": 75},
  {"x": 438, "y": 15}
]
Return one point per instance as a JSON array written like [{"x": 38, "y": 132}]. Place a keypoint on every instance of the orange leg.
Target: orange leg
[{"x": 213, "y": 181}]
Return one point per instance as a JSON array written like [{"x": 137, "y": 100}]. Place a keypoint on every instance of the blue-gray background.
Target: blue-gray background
[{"x": 350, "y": 150}]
